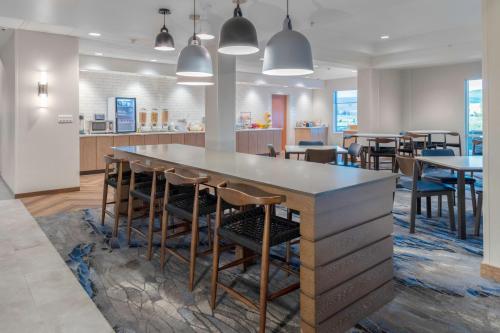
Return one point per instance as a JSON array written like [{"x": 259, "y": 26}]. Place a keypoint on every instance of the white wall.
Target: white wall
[
  {"x": 158, "y": 92},
  {"x": 8, "y": 112},
  {"x": 42, "y": 154},
  {"x": 434, "y": 97},
  {"x": 258, "y": 101}
]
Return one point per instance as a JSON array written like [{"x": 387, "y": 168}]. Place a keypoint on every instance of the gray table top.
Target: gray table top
[
  {"x": 427, "y": 132},
  {"x": 307, "y": 178},
  {"x": 376, "y": 135},
  {"x": 294, "y": 149},
  {"x": 459, "y": 163}
]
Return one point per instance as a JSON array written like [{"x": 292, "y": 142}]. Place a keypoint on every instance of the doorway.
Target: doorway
[{"x": 279, "y": 116}]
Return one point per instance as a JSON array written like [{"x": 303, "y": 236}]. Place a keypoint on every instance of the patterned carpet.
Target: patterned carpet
[{"x": 438, "y": 288}]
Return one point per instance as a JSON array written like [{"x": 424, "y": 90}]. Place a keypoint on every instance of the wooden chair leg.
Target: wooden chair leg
[
  {"x": 129, "y": 217},
  {"x": 473, "y": 198},
  {"x": 215, "y": 270},
  {"x": 164, "y": 230},
  {"x": 451, "y": 210},
  {"x": 264, "y": 272},
  {"x": 440, "y": 206},
  {"x": 428, "y": 206},
  {"x": 479, "y": 213},
  {"x": 209, "y": 231},
  {"x": 151, "y": 229},
  {"x": 118, "y": 201},
  {"x": 194, "y": 248},
  {"x": 104, "y": 201},
  {"x": 413, "y": 211}
]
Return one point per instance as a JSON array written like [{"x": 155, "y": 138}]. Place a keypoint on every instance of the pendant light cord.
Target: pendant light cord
[
  {"x": 237, "y": 10},
  {"x": 194, "y": 19},
  {"x": 287, "y": 24}
]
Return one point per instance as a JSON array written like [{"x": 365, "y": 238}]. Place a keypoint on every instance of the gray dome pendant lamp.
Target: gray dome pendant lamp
[
  {"x": 194, "y": 60},
  {"x": 288, "y": 53},
  {"x": 238, "y": 35},
  {"x": 164, "y": 40}
]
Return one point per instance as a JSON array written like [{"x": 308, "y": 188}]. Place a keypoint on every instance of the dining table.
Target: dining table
[
  {"x": 346, "y": 225},
  {"x": 429, "y": 134},
  {"x": 461, "y": 165},
  {"x": 301, "y": 150}
]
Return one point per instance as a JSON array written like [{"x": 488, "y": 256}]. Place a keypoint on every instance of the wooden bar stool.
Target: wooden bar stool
[
  {"x": 150, "y": 190},
  {"x": 116, "y": 175},
  {"x": 256, "y": 229},
  {"x": 188, "y": 205}
]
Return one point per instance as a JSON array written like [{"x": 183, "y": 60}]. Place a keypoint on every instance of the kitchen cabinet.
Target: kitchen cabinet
[
  {"x": 178, "y": 138},
  {"x": 256, "y": 141},
  {"x": 88, "y": 154},
  {"x": 137, "y": 140},
  {"x": 104, "y": 144},
  {"x": 121, "y": 140},
  {"x": 151, "y": 139},
  {"x": 311, "y": 134}
]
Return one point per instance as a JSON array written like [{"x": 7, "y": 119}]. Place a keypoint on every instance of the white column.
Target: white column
[
  {"x": 491, "y": 110},
  {"x": 380, "y": 100},
  {"x": 220, "y": 103}
]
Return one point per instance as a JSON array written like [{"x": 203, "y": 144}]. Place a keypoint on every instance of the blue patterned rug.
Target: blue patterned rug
[{"x": 438, "y": 287}]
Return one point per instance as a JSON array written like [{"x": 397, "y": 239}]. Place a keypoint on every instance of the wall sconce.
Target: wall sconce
[{"x": 43, "y": 90}]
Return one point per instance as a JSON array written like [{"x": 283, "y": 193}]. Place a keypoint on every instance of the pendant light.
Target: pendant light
[
  {"x": 194, "y": 59},
  {"x": 164, "y": 40},
  {"x": 238, "y": 35},
  {"x": 288, "y": 53}
]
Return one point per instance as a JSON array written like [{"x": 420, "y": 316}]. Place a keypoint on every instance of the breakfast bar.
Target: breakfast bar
[{"x": 345, "y": 225}]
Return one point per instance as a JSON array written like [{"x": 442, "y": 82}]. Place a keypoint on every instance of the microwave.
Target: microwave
[{"x": 101, "y": 126}]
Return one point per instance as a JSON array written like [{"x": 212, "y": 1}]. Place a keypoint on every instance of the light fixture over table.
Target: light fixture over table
[
  {"x": 164, "y": 40},
  {"x": 288, "y": 53},
  {"x": 194, "y": 60},
  {"x": 238, "y": 35}
]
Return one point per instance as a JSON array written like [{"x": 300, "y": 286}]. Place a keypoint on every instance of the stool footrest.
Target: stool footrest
[{"x": 238, "y": 296}]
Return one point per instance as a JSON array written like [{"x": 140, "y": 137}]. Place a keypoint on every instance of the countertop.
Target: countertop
[
  {"x": 307, "y": 178},
  {"x": 171, "y": 132}
]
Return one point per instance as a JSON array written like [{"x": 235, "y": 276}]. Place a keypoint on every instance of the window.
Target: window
[
  {"x": 345, "y": 103},
  {"x": 474, "y": 111}
]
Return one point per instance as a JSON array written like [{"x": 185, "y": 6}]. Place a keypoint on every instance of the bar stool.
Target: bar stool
[
  {"x": 188, "y": 206},
  {"x": 116, "y": 175},
  {"x": 256, "y": 229},
  {"x": 150, "y": 190}
]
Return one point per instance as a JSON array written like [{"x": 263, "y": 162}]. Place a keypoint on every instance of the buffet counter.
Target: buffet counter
[{"x": 94, "y": 146}]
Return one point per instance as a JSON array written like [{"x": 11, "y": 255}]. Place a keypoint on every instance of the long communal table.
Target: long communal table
[{"x": 346, "y": 225}]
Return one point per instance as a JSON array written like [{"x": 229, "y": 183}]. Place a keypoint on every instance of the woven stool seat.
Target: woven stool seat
[
  {"x": 247, "y": 228},
  {"x": 181, "y": 205}
]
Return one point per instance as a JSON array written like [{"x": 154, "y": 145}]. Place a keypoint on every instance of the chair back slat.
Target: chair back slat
[
  {"x": 438, "y": 152},
  {"x": 238, "y": 194},
  {"x": 406, "y": 165},
  {"x": 321, "y": 155},
  {"x": 185, "y": 177}
]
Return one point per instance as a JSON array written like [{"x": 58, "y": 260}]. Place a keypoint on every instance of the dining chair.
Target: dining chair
[
  {"x": 355, "y": 156},
  {"x": 256, "y": 228},
  {"x": 117, "y": 176},
  {"x": 325, "y": 156},
  {"x": 348, "y": 138},
  {"x": 189, "y": 207},
  {"x": 446, "y": 176},
  {"x": 453, "y": 144},
  {"x": 422, "y": 189},
  {"x": 377, "y": 151},
  {"x": 272, "y": 151},
  {"x": 311, "y": 143},
  {"x": 407, "y": 145}
]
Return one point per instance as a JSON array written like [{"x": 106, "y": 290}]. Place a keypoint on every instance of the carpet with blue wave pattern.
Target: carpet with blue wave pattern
[{"x": 438, "y": 287}]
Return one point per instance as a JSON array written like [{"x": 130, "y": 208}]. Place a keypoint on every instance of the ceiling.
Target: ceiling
[{"x": 344, "y": 34}]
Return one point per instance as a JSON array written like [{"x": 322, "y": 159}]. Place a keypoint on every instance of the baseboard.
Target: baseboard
[
  {"x": 490, "y": 272},
  {"x": 56, "y": 191}
]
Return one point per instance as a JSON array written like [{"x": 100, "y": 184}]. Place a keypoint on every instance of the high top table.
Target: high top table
[
  {"x": 460, "y": 164},
  {"x": 345, "y": 225}
]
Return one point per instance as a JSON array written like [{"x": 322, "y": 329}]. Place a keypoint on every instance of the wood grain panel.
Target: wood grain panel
[
  {"x": 88, "y": 154},
  {"x": 242, "y": 142},
  {"x": 311, "y": 134},
  {"x": 333, "y": 274},
  {"x": 164, "y": 139},
  {"x": 200, "y": 139},
  {"x": 137, "y": 140},
  {"x": 253, "y": 142},
  {"x": 121, "y": 140},
  {"x": 328, "y": 249},
  {"x": 190, "y": 139},
  {"x": 104, "y": 144},
  {"x": 277, "y": 140},
  {"x": 321, "y": 308},
  {"x": 348, "y": 317},
  {"x": 178, "y": 138},
  {"x": 151, "y": 139}
]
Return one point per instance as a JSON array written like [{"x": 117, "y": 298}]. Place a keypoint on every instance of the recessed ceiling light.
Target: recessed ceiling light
[
  {"x": 153, "y": 60},
  {"x": 94, "y": 34},
  {"x": 98, "y": 54},
  {"x": 385, "y": 37}
]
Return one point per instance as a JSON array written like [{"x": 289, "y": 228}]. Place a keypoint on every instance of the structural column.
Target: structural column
[
  {"x": 491, "y": 110},
  {"x": 220, "y": 103}
]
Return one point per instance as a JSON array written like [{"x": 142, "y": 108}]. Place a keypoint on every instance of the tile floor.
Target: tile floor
[{"x": 38, "y": 292}]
